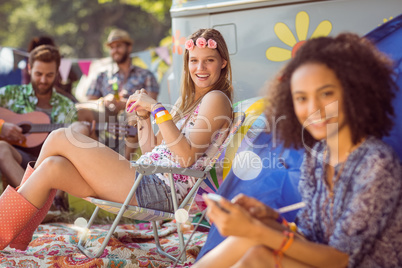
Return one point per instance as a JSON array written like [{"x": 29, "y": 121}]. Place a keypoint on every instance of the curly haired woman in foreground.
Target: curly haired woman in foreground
[{"x": 337, "y": 96}]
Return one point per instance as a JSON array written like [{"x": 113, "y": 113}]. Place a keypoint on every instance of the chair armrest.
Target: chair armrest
[{"x": 152, "y": 169}]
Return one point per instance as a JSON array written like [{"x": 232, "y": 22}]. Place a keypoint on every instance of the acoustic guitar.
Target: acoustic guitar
[{"x": 36, "y": 127}]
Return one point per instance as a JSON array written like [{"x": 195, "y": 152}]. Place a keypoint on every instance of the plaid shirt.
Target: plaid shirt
[
  {"x": 21, "y": 99},
  {"x": 138, "y": 78}
]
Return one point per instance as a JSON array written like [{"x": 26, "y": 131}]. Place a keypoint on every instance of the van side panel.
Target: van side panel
[{"x": 262, "y": 35}]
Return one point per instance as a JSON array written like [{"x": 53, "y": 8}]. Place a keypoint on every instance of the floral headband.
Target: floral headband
[{"x": 201, "y": 43}]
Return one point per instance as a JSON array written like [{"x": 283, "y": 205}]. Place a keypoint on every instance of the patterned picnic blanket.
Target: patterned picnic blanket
[{"x": 132, "y": 245}]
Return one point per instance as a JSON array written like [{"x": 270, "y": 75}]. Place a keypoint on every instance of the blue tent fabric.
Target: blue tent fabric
[
  {"x": 10, "y": 78},
  {"x": 275, "y": 185},
  {"x": 9, "y": 74},
  {"x": 388, "y": 39},
  {"x": 280, "y": 171}
]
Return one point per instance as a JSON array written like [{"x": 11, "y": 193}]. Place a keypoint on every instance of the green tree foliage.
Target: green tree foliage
[{"x": 80, "y": 28}]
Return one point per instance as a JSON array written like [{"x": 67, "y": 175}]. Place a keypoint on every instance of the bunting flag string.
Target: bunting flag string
[
  {"x": 20, "y": 52},
  {"x": 11, "y": 59},
  {"x": 162, "y": 52}
]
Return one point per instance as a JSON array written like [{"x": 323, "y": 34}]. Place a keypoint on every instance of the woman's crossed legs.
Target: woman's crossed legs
[{"x": 80, "y": 166}]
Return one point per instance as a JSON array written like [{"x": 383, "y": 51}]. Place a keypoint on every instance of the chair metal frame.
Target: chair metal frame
[{"x": 151, "y": 215}]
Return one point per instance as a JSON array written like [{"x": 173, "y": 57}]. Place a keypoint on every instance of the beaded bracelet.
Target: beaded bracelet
[
  {"x": 293, "y": 227},
  {"x": 1, "y": 124},
  {"x": 163, "y": 118}
]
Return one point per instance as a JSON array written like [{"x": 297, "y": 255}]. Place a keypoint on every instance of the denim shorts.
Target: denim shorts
[{"x": 153, "y": 193}]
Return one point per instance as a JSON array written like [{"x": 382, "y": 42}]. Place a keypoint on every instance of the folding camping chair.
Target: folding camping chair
[{"x": 139, "y": 213}]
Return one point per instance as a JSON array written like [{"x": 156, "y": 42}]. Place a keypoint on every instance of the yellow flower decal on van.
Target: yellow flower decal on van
[{"x": 284, "y": 34}]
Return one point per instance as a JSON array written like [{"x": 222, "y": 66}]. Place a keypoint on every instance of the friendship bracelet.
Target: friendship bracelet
[
  {"x": 158, "y": 110},
  {"x": 161, "y": 113},
  {"x": 1, "y": 124},
  {"x": 289, "y": 242},
  {"x": 282, "y": 221},
  {"x": 153, "y": 106},
  {"x": 278, "y": 251},
  {"x": 286, "y": 243},
  {"x": 163, "y": 118}
]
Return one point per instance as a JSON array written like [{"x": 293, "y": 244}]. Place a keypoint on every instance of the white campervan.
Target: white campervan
[{"x": 263, "y": 34}]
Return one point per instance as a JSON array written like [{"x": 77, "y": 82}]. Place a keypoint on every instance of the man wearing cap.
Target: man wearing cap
[{"x": 124, "y": 80}]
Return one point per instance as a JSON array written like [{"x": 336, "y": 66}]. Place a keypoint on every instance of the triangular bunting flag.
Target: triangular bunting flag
[
  {"x": 6, "y": 60},
  {"x": 163, "y": 52},
  {"x": 84, "y": 66},
  {"x": 64, "y": 69},
  {"x": 18, "y": 57}
]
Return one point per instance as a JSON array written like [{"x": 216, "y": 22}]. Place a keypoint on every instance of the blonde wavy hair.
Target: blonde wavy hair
[{"x": 187, "y": 102}]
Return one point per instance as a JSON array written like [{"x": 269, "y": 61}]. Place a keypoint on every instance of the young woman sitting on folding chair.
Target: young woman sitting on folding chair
[{"x": 188, "y": 137}]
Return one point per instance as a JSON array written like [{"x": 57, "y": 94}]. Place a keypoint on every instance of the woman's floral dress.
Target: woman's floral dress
[{"x": 161, "y": 155}]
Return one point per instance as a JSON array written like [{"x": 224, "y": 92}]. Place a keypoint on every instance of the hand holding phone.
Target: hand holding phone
[{"x": 217, "y": 198}]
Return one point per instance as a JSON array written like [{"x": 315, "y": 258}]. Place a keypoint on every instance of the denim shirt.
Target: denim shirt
[{"x": 367, "y": 206}]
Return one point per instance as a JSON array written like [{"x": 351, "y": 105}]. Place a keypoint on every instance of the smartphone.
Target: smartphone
[{"x": 216, "y": 198}]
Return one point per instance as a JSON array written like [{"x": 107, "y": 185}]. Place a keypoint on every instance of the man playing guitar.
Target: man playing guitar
[{"x": 39, "y": 95}]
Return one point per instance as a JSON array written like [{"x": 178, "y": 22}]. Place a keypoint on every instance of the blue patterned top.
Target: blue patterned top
[
  {"x": 367, "y": 206},
  {"x": 138, "y": 78}
]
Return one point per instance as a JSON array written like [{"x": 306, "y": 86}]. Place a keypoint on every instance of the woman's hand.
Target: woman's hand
[
  {"x": 235, "y": 221},
  {"x": 257, "y": 209},
  {"x": 140, "y": 102}
]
